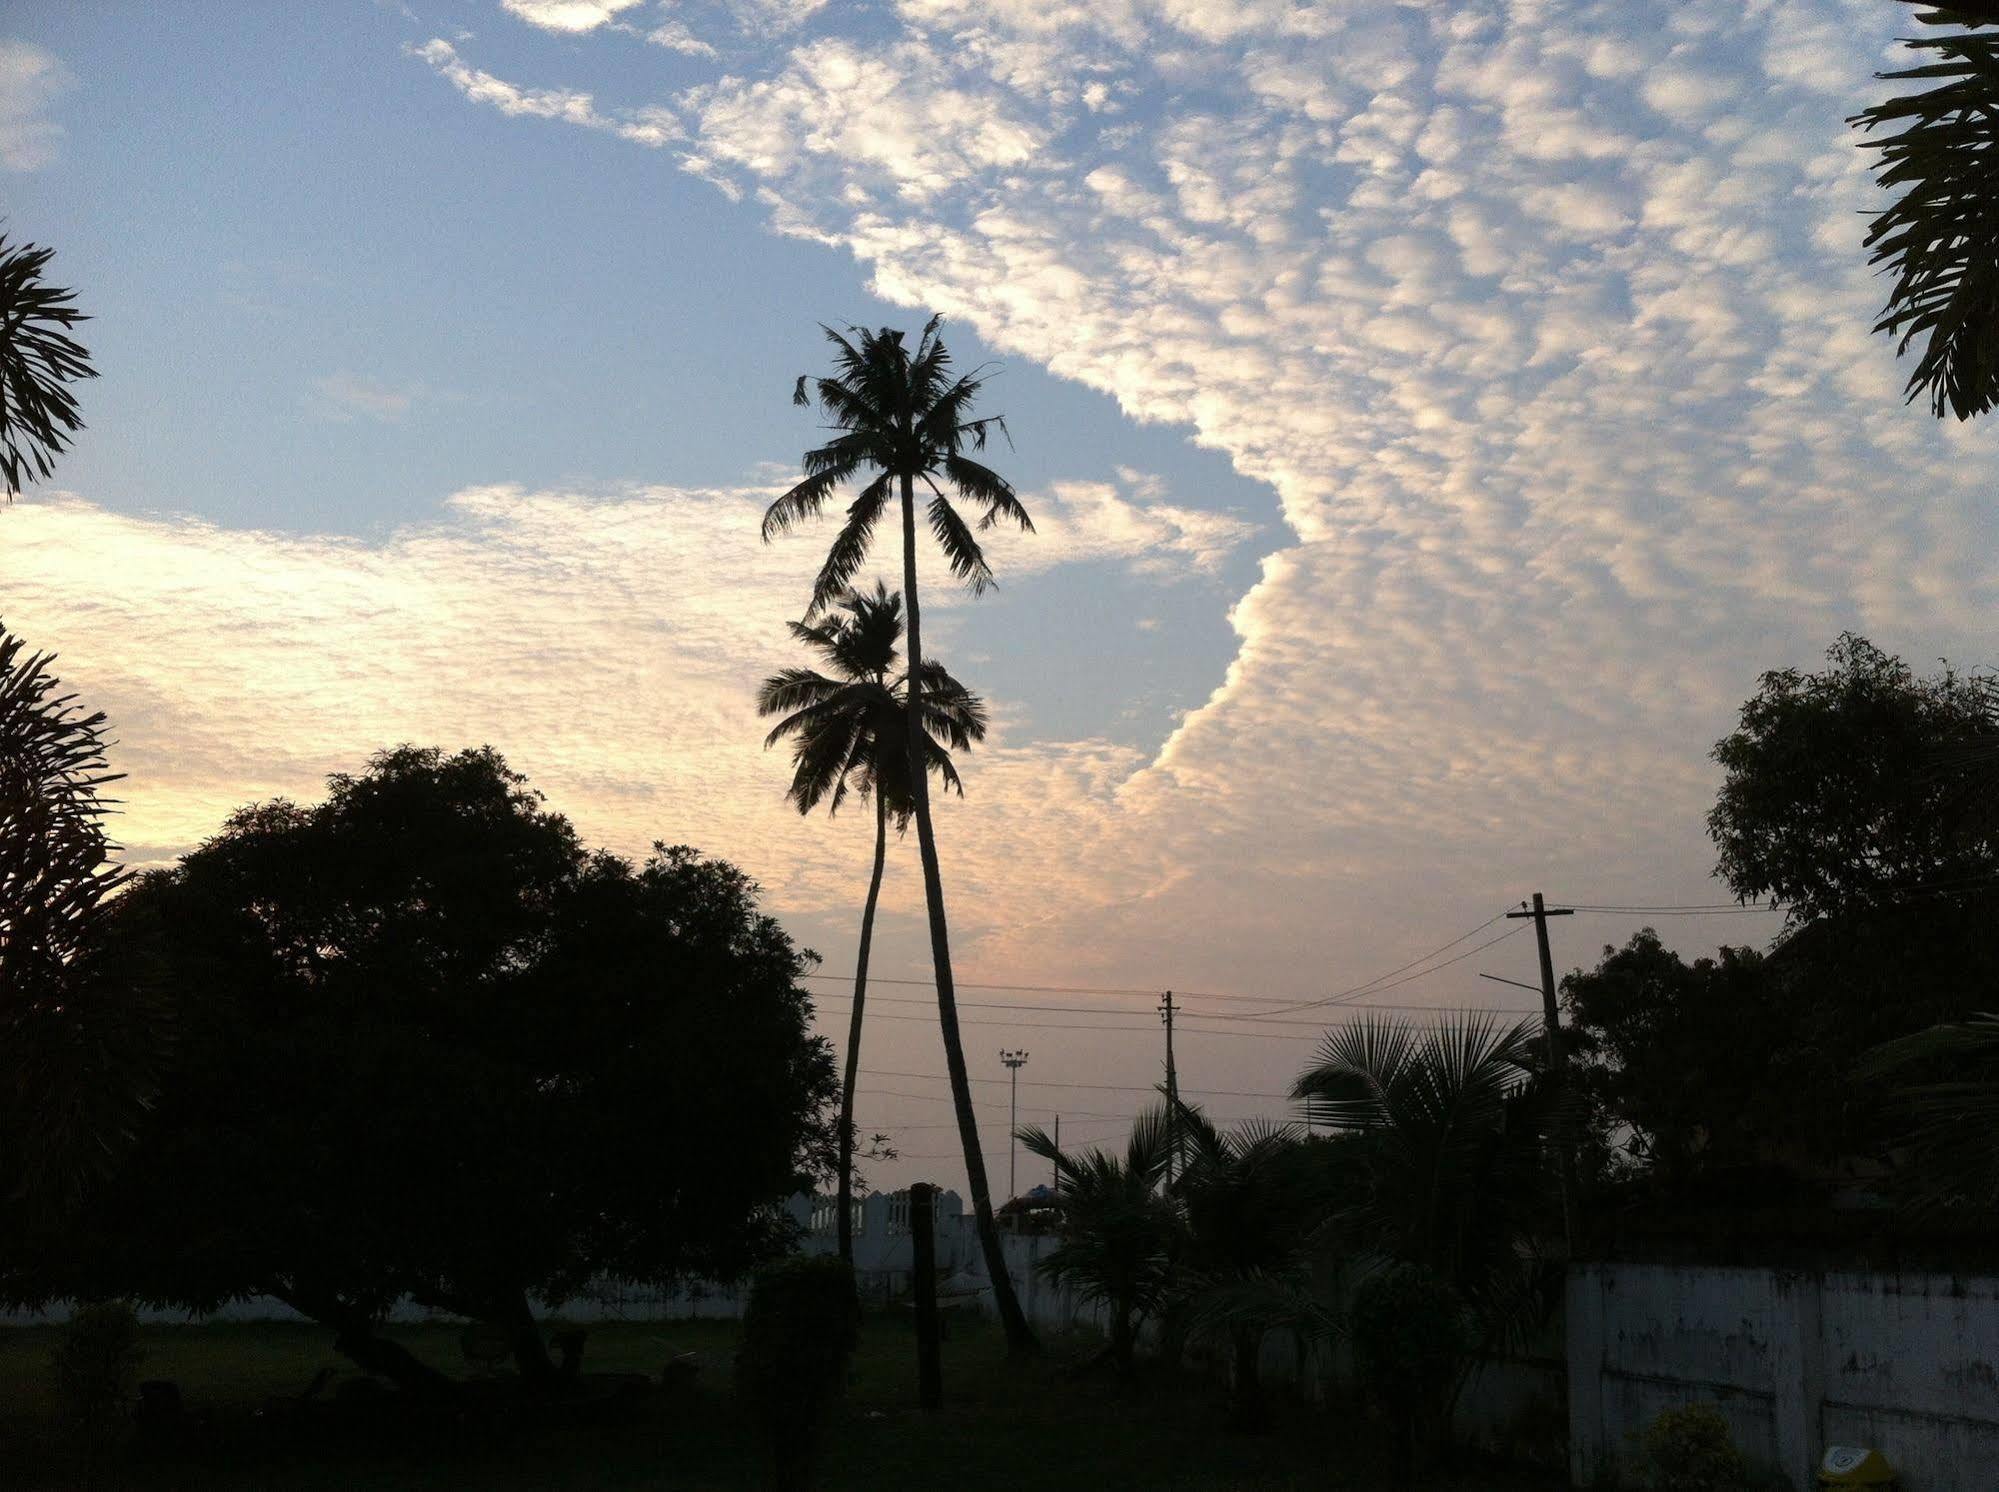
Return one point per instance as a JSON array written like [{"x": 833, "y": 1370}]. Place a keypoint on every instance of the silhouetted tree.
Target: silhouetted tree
[
  {"x": 431, "y": 1046},
  {"x": 38, "y": 360},
  {"x": 1250, "y": 1197},
  {"x": 848, "y": 729},
  {"x": 902, "y": 416},
  {"x": 1837, "y": 797},
  {"x": 1939, "y": 237},
  {"x": 79, "y": 1033},
  {"x": 1460, "y": 1175},
  {"x": 1698, "y": 1061},
  {"x": 1116, "y": 1223}
]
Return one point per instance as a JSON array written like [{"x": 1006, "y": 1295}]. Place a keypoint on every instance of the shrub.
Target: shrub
[
  {"x": 799, "y": 1330},
  {"x": 96, "y": 1362},
  {"x": 1411, "y": 1339},
  {"x": 1689, "y": 1450}
]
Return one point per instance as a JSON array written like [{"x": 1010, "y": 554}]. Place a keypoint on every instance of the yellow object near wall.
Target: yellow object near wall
[{"x": 1853, "y": 1466}]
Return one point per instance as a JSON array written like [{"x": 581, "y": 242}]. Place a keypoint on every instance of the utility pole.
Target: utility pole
[
  {"x": 1539, "y": 911},
  {"x": 1014, "y": 1061},
  {"x": 1551, "y": 1017},
  {"x": 923, "y": 1272},
  {"x": 1172, "y": 1089},
  {"x": 1055, "y": 1166}
]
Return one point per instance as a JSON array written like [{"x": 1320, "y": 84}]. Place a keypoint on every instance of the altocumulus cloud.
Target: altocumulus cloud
[
  {"x": 1547, "y": 325},
  {"x": 609, "y": 644}
]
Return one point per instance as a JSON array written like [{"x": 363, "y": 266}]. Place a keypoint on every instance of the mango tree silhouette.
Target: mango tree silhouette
[
  {"x": 901, "y": 415},
  {"x": 38, "y": 359},
  {"x": 848, "y": 731}
]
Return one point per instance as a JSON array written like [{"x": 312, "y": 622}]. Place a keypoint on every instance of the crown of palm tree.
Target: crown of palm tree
[
  {"x": 37, "y": 359},
  {"x": 898, "y": 413},
  {"x": 849, "y": 727}
]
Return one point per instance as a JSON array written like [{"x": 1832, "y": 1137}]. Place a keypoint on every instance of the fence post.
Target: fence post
[{"x": 923, "y": 1269}]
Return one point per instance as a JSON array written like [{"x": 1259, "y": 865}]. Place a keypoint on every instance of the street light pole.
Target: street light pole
[{"x": 1014, "y": 1061}]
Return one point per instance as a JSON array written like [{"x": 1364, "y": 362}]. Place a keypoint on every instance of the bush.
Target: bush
[
  {"x": 96, "y": 1362},
  {"x": 1689, "y": 1450},
  {"x": 803, "y": 1321},
  {"x": 1411, "y": 1339}
]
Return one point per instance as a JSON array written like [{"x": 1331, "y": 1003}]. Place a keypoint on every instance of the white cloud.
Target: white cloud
[
  {"x": 568, "y": 15},
  {"x": 891, "y": 116},
  {"x": 651, "y": 125},
  {"x": 31, "y": 80}
]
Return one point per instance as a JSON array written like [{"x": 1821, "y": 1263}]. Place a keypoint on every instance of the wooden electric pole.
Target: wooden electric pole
[
  {"x": 1172, "y": 1090},
  {"x": 1551, "y": 1017}
]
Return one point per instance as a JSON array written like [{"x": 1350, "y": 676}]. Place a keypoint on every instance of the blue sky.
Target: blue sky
[{"x": 1439, "y": 414}]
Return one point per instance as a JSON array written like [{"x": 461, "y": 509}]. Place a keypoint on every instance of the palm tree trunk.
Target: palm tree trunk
[
  {"x": 846, "y": 1186},
  {"x": 1019, "y": 1337}
]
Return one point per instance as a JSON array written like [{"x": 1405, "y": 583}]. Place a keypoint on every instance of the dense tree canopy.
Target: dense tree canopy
[
  {"x": 431, "y": 1046},
  {"x": 1845, "y": 788}
]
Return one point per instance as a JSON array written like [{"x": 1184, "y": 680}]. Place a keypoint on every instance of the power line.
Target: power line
[
  {"x": 1349, "y": 997},
  {"x": 1205, "y": 1015},
  {"x": 1056, "y": 1026},
  {"x": 936, "y": 1077}
]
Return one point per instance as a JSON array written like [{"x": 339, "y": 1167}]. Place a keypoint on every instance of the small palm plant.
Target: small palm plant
[
  {"x": 1252, "y": 1197},
  {"x": 38, "y": 360},
  {"x": 846, "y": 729},
  {"x": 901, "y": 416},
  {"x": 1462, "y": 1131},
  {"x": 1117, "y": 1226}
]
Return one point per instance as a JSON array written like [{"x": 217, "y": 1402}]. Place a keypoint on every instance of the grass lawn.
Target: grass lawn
[{"x": 1034, "y": 1425}]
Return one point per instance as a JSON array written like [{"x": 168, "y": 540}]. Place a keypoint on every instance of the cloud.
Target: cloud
[
  {"x": 31, "y": 80},
  {"x": 1545, "y": 324},
  {"x": 342, "y": 396},
  {"x": 568, "y": 15},
  {"x": 652, "y": 125},
  {"x": 609, "y": 643}
]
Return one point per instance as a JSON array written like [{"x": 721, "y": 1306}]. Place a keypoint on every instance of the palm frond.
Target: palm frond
[
  {"x": 961, "y": 550},
  {"x": 850, "y": 549},
  {"x": 989, "y": 489},
  {"x": 1938, "y": 235},
  {"x": 38, "y": 360}
]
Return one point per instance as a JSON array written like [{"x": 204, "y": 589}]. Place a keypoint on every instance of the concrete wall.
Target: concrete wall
[{"x": 1794, "y": 1361}]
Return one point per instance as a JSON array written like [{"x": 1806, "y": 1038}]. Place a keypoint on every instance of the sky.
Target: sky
[{"x": 1435, "y": 415}]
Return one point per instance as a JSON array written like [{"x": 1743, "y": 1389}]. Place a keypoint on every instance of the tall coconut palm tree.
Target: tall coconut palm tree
[
  {"x": 38, "y": 360},
  {"x": 847, "y": 732},
  {"x": 903, "y": 417},
  {"x": 1118, "y": 1225}
]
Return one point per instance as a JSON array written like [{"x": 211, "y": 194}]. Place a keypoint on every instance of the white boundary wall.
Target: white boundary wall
[{"x": 1794, "y": 1361}]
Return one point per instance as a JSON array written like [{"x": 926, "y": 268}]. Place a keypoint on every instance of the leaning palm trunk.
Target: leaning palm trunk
[
  {"x": 1018, "y": 1336},
  {"x": 846, "y": 1187}
]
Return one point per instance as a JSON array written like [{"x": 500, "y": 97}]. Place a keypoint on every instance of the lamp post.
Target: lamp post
[{"x": 1014, "y": 1061}]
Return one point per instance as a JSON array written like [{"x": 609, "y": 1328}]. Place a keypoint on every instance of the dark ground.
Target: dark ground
[{"x": 1040, "y": 1424}]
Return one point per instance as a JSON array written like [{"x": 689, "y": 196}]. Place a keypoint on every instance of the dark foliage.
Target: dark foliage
[
  {"x": 38, "y": 360},
  {"x": 1845, "y": 788},
  {"x": 799, "y": 1331},
  {"x": 96, "y": 1366},
  {"x": 79, "y": 1033},
  {"x": 1941, "y": 236},
  {"x": 1412, "y": 1336},
  {"x": 432, "y": 1046}
]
